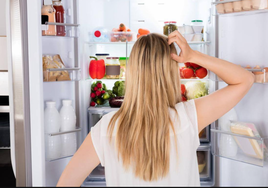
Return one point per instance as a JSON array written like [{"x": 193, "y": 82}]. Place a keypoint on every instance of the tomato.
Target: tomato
[
  {"x": 201, "y": 73},
  {"x": 188, "y": 73},
  {"x": 183, "y": 89},
  {"x": 187, "y": 64},
  {"x": 183, "y": 98},
  {"x": 195, "y": 66},
  {"x": 181, "y": 68}
]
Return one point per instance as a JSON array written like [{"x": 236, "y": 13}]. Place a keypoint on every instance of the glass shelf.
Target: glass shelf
[
  {"x": 62, "y": 74},
  {"x": 234, "y": 146},
  {"x": 115, "y": 43},
  {"x": 225, "y": 1},
  {"x": 62, "y": 24}
]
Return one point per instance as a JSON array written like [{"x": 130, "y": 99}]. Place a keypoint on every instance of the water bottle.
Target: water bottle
[
  {"x": 228, "y": 146},
  {"x": 51, "y": 118},
  {"x": 53, "y": 147},
  {"x": 100, "y": 34},
  {"x": 69, "y": 144},
  {"x": 67, "y": 116}
]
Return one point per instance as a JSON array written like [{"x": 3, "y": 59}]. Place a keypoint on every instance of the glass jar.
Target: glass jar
[
  {"x": 169, "y": 27},
  {"x": 123, "y": 65},
  {"x": 49, "y": 11},
  {"x": 102, "y": 56},
  {"x": 112, "y": 68}
]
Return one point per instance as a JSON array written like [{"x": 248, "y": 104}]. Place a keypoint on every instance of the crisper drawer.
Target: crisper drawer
[{"x": 204, "y": 162}]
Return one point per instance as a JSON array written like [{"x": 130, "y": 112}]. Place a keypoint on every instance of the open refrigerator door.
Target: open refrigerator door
[{"x": 239, "y": 138}]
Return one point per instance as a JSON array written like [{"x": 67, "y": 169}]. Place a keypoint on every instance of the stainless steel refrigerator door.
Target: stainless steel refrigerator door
[{"x": 20, "y": 90}]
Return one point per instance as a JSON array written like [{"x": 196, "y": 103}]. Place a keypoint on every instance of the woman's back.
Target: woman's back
[{"x": 183, "y": 165}]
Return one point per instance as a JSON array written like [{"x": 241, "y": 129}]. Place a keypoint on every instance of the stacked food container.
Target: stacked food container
[
  {"x": 227, "y": 6},
  {"x": 193, "y": 32}
]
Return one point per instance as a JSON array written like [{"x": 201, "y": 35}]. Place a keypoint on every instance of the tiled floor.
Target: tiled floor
[{"x": 7, "y": 178}]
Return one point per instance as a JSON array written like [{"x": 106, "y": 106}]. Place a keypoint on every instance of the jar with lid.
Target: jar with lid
[
  {"x": 112, "y": 68},
  {"x": 169, "y": 27},
  {"x": 123, "y": 65},
  {"x": 102, "y": 56}
]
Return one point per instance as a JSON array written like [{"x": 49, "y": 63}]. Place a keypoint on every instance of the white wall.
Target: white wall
[{"x": 3, "y": 17}]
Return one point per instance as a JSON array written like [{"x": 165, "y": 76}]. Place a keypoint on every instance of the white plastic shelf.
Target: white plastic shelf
[{"x": 62, "y": 74}]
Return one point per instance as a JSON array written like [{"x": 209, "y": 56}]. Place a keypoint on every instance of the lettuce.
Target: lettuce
[{"x": 196, "y": 89}]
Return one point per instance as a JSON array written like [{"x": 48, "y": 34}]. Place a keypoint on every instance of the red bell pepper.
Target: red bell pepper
[{"x": 96, "y": 68}]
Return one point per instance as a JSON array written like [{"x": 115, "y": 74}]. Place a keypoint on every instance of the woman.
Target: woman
[{"x": 153, "y": 138}]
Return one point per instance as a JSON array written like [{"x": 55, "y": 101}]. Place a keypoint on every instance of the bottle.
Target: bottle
[
  {"x": 69, "y": 144},
  {"x": 227, "y": 147},
  {"x": 48, "y": 10},
  {"x": 60, "y": 17},
  {"x": 67, "y": 116},
  {"x": 53, "y": 147},
  {"x": 51, "y": 118}
]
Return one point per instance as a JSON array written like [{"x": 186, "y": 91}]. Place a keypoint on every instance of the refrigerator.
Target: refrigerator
[{"x": 237, "y": 37}]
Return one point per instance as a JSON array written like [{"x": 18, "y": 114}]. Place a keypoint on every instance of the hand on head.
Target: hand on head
[{"x": 187, "y": 54}]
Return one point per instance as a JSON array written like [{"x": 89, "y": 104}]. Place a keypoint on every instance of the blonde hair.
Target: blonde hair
[{"x": 144, "y": 123}]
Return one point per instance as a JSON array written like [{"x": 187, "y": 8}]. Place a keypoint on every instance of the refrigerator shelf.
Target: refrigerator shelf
[
  {"x": 241, "y": 148},
  {"x": 62, "y": 24},
  {"x": 114, "y": 43},
  {"x": 62, "y": 74},
  {"x": 225, "y": 1}
]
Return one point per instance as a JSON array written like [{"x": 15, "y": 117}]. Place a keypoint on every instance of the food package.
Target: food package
[{"x": 54, "y": 62}]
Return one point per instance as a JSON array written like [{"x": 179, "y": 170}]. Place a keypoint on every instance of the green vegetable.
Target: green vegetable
[
  {"x": 110, "y": 92},
  {"x": 196, "y": 89},
  {"x": 119, "y": 88},
  {"x": 100, "y": 101},
  {"x": 106, "y": 96},
  {"x": 104, "y": 87}
]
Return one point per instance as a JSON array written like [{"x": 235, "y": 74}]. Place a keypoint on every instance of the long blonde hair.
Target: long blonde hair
[{"x": 143, "y": 121}]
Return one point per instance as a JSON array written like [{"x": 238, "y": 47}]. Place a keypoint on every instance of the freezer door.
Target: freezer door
[{"x": 19, "y": 97}]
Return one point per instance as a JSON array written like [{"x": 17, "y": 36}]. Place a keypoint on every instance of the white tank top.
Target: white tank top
[{"x": 183, "y": 167}]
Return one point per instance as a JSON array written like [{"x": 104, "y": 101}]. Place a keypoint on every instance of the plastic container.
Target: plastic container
[
  {"x": 198, "y": 26},
  {"x": 100, "y": 34},
  {"x": 69, "y": 144},
  {"x": 246, "y": 5},
  {"x": 67, "y": 116},
  {"x": 51, "y": 118},
  {"x": 112, "y": 68},
  {"x": 122, "y": 36},
  {"x": 169, "y": 27},
  {"x": 228, "y": 7},
  {"x": 123, "y": 65},
  {"x": 188, "y": 37},
  {"x": 188, "y": 29},
  {"x": 53, "y": 147},
  {"x": 198, "y": 37},
  {"x": 181, "y": 29},
  {"x": 237, "y": 6}
]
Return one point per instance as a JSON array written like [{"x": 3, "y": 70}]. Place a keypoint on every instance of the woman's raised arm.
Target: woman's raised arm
[{"x": 239, "y": 80}]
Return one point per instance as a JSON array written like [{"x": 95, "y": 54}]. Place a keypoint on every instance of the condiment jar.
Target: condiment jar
[
  {"x": 123, "y": 65},
  {"x": 112, "y": 68},
  {"x": 169, "y": 27},
  {"x": 102, "y": 56}
]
